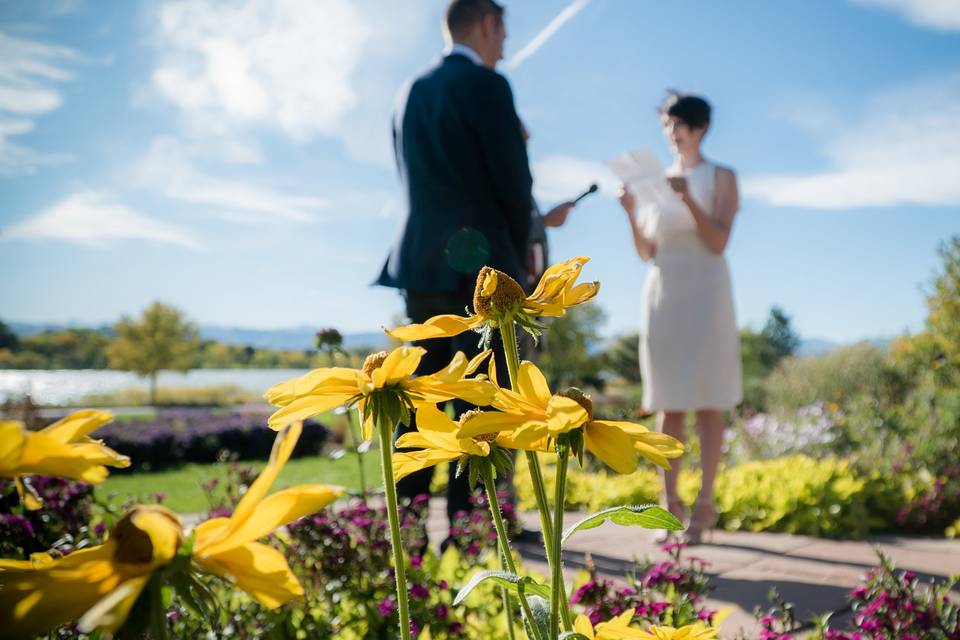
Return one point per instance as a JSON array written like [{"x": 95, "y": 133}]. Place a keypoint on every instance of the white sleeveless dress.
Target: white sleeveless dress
[{"x": 689, "y": 343}]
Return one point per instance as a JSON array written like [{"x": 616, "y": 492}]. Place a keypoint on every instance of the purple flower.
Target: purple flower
[
  {"x": 386, "y": 607},
  {"x": 419, "y": 592}
]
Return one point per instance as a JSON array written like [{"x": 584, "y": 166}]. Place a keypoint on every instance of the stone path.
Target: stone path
[{"x": 813, "y": 574}]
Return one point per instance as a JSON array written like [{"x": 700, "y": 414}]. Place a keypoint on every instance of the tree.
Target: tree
[
  {"x": 160, "y": 339},
  {"x": 8, "y": 339},
  {"x": 622, "y": 359},
  {"x": 780, "y": 336},
  {"x": 943, "y": 302},
  {"x": 570, "y": 355}
]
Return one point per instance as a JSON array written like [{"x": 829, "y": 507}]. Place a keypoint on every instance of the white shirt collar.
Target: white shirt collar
[{"x": 464, "y": 50}]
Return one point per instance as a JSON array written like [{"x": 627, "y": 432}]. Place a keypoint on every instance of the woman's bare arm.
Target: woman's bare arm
[
  {"x": 646, "y": 248},
  {"x": 714, "y": 230}
]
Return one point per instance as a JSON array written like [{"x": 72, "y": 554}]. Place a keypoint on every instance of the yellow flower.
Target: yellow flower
[
  {"x": 604, "y": 629},
  {"x": 62, "y": 449},
  {"x": 498, "y": 298},
  {"x": 437, "y": 441},
  {"x": 227, "y": 547},
  {"x": 697, "y": 631},
  {"x": 100, "y": 585},
  {"x": 532, "y": 414},
  {"x": 385, "y": 379},
  {"x": 619, "y": 628},
  {"x": 97, "y": 586}
]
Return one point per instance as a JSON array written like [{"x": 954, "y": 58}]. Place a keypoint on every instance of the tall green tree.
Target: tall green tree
[
  {"x": 8, "y": 339},
  {"x": 571, "y": 349},
  {"x": 780, "y": 336},
  {"x": 943, "y": 301},
  {"x": 162, "y": 338}
]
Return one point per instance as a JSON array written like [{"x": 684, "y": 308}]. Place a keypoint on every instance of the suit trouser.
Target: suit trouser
[{"x": 420, "y": 307}]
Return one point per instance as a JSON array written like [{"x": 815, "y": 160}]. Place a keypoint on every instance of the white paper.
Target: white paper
[{"x": 644, "y": 176}]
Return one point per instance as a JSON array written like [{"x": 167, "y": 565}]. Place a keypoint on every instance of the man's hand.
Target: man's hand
[
  {"x": 679, "y": 186},
  {"x": 558, "y": 215}
]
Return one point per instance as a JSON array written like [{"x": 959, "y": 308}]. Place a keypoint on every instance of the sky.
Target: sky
[{"x": 232, "y": 157}]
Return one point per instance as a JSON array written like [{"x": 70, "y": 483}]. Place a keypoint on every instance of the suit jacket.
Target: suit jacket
[{"x": 466, "y": 178}]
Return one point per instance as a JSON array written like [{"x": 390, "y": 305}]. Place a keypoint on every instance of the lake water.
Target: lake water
[{"x": 66, "y": 386}]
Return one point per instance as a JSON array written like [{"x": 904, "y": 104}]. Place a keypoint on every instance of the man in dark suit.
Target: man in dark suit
[{"x": 463, "y": 163}]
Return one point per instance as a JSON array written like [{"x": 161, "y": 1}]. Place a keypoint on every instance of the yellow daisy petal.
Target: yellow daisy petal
[
  {"x": 563, "y": 415},
  {"x": 399, "y": 365},
  {"x": 305, "y": 407},
  {"x": 443, "y": 326},
  {"x": 76, "y": 425},
  {"x": 532, "y": 384},
  {"x": 611, "y": 445},
  {"x": 407, "y": 462},
  {"x": 259, "y": 570}
]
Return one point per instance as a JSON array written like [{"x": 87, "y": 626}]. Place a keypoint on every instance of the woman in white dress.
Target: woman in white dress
[{"x": 689, "y": 343}]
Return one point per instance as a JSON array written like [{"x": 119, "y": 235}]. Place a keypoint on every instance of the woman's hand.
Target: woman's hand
[
  {"x": 628, "y": 201},
  {"x": 679, "y": 186}
]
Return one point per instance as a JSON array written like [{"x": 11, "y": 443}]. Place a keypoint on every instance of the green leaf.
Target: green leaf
[
  {"x": 648, "y": 516},
  {"x": 540, "y": 612},
  {"x": 506, "y": 579}
]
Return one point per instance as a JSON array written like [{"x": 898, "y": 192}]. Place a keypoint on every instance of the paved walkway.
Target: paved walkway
[{"x": 813, "y": 574}]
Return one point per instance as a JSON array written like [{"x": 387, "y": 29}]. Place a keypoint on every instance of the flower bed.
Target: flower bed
[{"x": 178, "y": 436}]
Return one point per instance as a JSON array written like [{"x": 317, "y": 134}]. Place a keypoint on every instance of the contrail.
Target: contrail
[{"x": 541, "y": 38}]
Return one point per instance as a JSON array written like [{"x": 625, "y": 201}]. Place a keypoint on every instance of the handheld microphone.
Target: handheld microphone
[{"x": 593, "y": 189}]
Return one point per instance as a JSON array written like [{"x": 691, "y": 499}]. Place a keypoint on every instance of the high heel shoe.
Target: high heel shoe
[
  {"x": 702, "y": 522},
  {"x": 678, "y": 509}
]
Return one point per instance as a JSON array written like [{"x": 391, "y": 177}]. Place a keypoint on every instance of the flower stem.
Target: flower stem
[
  {"x": 558, "y": 591},
  {"x": 508, "y": 334},
  {"x": 390, "y": 491},
  {"x": 506, "y": 556},
  {"x": 355, "y": 441}
]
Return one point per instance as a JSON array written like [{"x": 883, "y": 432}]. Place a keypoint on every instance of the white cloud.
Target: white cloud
[
  {"x": 546, "y": 33},
  {"x": 938, "y": 14},
  {"x": 285, "y": 64},
  {"x": 89, "y": 217},
  {"x": 169, "y": 168},
  {"x": 29, "y": 71},
  {"x": 558, "y": 178},
  {"x": 902, "y": 148}
]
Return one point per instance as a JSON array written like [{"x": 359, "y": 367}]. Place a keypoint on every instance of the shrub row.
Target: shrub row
[
  {"x": 796, "y": 494},
  {"x": 179, "y": 436}
]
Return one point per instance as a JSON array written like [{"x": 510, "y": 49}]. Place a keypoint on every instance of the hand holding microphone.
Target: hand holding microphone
[{"x": 558, "y": 215}]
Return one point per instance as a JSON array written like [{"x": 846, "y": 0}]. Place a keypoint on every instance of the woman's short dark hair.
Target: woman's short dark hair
[
  {"x": 463, "y": 14},
  {"x": 691, "y": 110}
]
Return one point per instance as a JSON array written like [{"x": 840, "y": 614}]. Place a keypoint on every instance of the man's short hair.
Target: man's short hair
[{"x": 463, "y": 14}]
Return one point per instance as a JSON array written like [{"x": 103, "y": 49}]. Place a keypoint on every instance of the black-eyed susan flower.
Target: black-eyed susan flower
[
  {"x": 532, "y": 414},
  {"x": 436, "y": 441},
  {"x": 62, "y": 449},
  {"x": 499, "y": 299},
  {"x": 98, "y": 586},
  {"x": 385, "y": 386},
  {"x": 618, "y": 628}
]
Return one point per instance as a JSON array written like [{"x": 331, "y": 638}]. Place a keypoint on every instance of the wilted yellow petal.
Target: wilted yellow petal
[
  {"x": 77, "y": 424},
  {"x": 259, "y": 570},
  {"x": 443, "y": 326}
]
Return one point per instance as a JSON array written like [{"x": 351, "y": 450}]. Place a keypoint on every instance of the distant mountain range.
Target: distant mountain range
[
  {"x": 300, "y": 338},
  {"x": 293, "y": 339}
]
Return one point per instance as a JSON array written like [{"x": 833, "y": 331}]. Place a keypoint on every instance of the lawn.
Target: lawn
[{"x": 183, "y": 485}]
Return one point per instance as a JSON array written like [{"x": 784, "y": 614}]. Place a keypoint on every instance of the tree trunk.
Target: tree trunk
[{"x": 153, "y": 389}]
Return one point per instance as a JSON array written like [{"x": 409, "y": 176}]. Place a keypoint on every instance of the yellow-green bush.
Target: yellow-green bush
[{"x": 795, "y": 494}]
